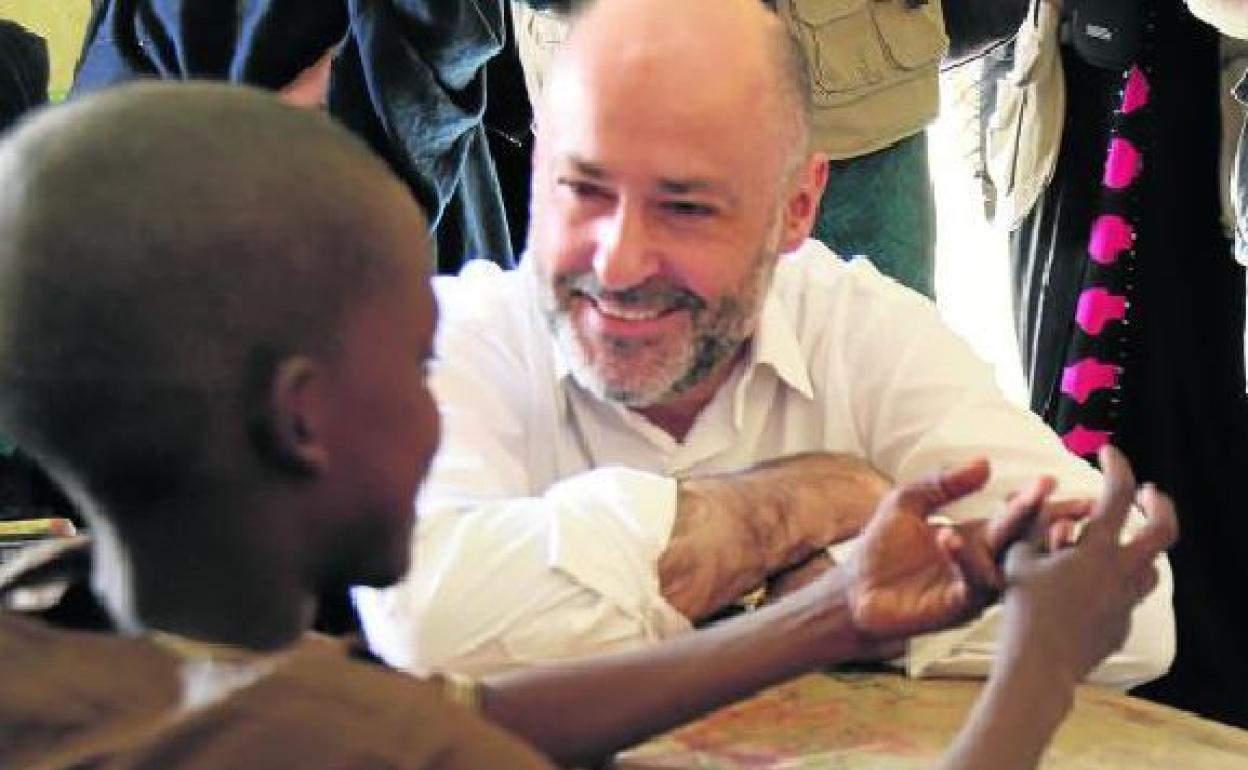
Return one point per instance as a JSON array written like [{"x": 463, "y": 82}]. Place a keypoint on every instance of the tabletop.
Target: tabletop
[{"x": 887, "y": 722}]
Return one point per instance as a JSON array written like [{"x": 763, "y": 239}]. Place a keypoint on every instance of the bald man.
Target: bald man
[
  {"x": 874, "y": 70},
  {"x": 232, "y": 389},
  {"x": 689, "y": 415}
]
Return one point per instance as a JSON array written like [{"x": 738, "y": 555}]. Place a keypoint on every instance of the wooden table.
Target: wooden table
[{"x": 887, "y": 722}]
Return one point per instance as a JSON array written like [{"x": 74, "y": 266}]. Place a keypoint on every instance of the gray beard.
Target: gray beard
[
  {"x": 732, "y": 322},
  {"x": 696, "y": 365}
]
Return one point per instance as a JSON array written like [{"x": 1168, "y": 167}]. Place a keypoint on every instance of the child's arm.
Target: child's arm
[{"x": 1063, "y": 613}]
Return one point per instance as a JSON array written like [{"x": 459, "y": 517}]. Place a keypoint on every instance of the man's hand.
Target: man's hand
[
  {"x": 1070, "y": 609},
  {"x": 733, "y": 531},
  {"x": 909, "y": 576},
  {"x": 981, "y": 542}
]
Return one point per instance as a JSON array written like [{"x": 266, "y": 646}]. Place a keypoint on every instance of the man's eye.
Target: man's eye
[
  {"x": 582, "y": 189},
  {"x": 688, "y": 209}
]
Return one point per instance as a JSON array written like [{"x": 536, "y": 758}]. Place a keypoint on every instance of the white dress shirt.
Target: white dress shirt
[{"x": 547, "y": 509}]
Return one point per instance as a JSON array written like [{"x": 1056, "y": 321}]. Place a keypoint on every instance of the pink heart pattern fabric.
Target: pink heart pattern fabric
[{"x": 1094, "y": 370}]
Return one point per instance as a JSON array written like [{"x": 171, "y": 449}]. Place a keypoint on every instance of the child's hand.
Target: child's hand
[{"x": 1068, "y": 610}]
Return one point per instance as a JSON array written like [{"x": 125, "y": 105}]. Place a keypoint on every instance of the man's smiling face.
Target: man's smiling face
[{"x": 655, "y": 228}]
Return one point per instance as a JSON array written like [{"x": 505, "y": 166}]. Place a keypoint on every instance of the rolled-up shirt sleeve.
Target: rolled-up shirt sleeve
[
  {"x": 513, "y": 582},
  {"x": 509, "y": 569}
]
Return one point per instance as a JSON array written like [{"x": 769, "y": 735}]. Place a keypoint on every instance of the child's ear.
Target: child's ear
[{"x": 289, "y": 427}]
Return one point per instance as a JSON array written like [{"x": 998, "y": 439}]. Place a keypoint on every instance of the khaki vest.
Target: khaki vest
[
  {"x": 874, "y": 69},
  {"x": 1024, "y": 131},
  {"x": 873, "y": 63}
]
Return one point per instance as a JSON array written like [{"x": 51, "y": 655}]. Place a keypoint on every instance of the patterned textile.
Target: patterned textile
[{"x": 1085, "y": 411}]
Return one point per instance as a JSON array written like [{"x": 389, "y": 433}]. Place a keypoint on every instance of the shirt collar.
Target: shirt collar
[
  {"x": 776, "y": 345},
  {"x": 563, "y": 370}
]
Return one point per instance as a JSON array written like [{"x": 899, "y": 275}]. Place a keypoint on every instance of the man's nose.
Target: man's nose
[{"x": 626, "y": 254}]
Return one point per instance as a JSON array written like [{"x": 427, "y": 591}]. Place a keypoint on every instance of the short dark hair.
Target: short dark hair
[
  {"x": 24, "y": 72},
  {"x": 162, "y": 247}
]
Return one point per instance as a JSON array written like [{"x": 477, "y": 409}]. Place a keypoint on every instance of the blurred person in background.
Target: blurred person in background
[
  {"x": 1104, "y": 140},
  {"x": 406, "y": 75}
]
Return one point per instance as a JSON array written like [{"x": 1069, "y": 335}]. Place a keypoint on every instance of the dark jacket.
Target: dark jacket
[
  {"x": 409, "y": 77},
  {"x": 1239, "y": 181},
  {"x": 23, "y": 72}
]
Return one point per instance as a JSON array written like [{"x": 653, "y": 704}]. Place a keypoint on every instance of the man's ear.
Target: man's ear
[
  {"x": 802, "y": 202},
  {"x": 290, "y": 427}
]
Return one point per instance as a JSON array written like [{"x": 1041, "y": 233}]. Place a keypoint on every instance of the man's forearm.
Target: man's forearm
[
  {"x": 733, "y": 531},
  {"x": 897, "y": 584},
  {"x": 722, "y": 546}
]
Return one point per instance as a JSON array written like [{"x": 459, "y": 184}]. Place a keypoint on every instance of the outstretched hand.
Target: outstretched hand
[
  {"x": 1073, "y": 607},
  {"x": 909, "y": 576}
]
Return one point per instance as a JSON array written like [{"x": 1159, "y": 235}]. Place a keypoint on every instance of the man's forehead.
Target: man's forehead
[
  {"x": 685, "y": 38},
  {"x": 660, "y": 79},
  {"x": 689, "y": 137},
  {"x": 670, "y": 181}
]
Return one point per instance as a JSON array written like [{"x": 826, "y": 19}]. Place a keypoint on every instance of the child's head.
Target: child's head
[{"x": 215, "y": 306}]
